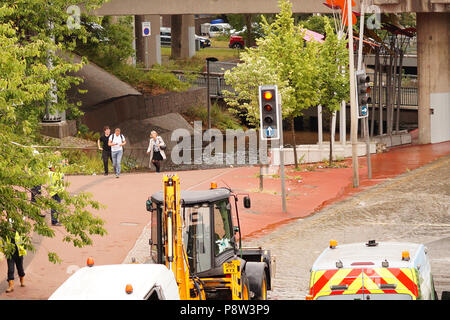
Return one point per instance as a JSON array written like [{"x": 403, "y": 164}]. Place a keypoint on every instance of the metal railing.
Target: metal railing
[
  {"x": 216, "y": 82},
  {"x": 408, "y": 96}
]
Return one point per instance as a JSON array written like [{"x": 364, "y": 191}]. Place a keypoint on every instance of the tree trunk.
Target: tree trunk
[
  {"x": 294, "y": 143},
  {"x": 248, "y": 24},
  {"x": 331, "y": 139}
]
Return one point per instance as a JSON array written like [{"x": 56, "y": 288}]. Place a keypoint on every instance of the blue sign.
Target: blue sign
[
  {"x": 146, "y": 29},
  {"x": 364, "y": 110},
  {"x": 269, "y": 132}
]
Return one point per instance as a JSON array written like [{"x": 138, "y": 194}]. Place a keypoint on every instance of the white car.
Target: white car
[{"x": 119, "y": 282}]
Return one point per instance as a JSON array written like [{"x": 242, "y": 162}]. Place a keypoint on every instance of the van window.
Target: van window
[
  {"x": 155, "y": 294},
  {"x": 215, "y": 29}
]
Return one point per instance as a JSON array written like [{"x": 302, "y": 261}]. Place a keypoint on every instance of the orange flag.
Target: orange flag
[{"x": 343, "y": 5}]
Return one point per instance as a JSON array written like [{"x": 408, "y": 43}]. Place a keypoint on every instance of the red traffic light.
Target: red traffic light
[
  {"x": 267, "y": 95},
  {"x": 268, "y": 107}
]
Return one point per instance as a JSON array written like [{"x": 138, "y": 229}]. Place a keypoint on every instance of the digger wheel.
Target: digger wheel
[
  {"x": 245, "y": 289},
  {"x": 263, "y": 293}
]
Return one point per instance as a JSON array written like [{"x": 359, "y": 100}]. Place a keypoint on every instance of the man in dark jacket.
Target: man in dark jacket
[{"x": 102, "y": 144}]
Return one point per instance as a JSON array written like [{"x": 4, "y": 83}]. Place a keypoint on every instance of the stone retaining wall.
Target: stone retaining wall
[{"x": 141, "y": 107}]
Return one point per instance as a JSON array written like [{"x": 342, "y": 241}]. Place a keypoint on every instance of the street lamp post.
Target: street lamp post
[{"x": 208, "y": 60}]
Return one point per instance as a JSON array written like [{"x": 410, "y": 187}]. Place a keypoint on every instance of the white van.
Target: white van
[
  {"x": 119, "y": 282},
  {"x": 215, "y": 30},
  {"x": 372, "y": 271}
]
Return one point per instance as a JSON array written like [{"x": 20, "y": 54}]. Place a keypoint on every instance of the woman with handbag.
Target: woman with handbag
[{"x": 156, "y": 148}]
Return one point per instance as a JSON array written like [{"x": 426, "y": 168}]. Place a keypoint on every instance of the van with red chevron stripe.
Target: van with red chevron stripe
[{"x": 372, "y": 271}]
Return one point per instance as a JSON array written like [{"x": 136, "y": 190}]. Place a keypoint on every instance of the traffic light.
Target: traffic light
[
  {"x": 269, "y": 112},
  {"x": 362, "y": 92}
]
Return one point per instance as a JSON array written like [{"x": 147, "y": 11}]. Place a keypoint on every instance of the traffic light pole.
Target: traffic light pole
[
  {"x": 353, "y": 111},
  {"x": 365, "y": 121},
  {"x": 272, "y": 127},
  {"x": 281, "y": 148}
]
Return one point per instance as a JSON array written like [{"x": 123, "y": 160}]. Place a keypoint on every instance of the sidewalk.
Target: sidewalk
[{"x": 126, "y": 218}]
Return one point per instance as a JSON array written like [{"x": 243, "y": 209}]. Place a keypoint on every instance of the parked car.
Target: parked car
[
  {"x": 166, "y": 38},
  {"x": 236, "y": 42},
  {"x": 204, "y": 42}
]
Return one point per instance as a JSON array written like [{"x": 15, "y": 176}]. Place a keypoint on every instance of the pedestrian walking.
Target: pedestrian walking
[
  {"x": 56, "y": 186},
  {"x": 15, "y": 260},
  {"x": 35, "y": 191},
  {"x": 103, "y": 145},
  {"x": 156, "y": 147},
  {"x": 116, "y": 142}
]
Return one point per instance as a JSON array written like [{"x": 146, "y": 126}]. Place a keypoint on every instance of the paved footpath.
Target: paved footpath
[{"x": 127, "y": 221}]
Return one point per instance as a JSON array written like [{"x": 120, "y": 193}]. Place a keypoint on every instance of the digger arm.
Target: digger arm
[{"x": 175, "y": 256}]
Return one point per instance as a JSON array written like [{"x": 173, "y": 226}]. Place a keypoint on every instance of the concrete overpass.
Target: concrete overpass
[
  {"x": 141, "y": 7},
  {"x": 433, "y": 41}
]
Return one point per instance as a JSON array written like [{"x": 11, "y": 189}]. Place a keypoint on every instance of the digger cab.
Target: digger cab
[{"x": 208, "y": 230}]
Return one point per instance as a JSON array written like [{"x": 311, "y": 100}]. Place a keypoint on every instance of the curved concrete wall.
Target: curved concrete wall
[{"x": 141, "y": 107}]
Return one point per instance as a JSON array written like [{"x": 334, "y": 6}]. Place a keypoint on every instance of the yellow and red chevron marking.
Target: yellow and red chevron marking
[{"x": 363, "y": 280}]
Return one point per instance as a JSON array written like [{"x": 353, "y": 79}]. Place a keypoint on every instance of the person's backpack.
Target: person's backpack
[{"x": 113, "y": 135}]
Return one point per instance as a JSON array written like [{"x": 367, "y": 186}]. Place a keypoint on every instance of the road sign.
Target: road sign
[{"x": 146, "y": 29}]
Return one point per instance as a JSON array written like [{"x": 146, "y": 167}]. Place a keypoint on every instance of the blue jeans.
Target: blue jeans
[{"x": 116, "y": 160}]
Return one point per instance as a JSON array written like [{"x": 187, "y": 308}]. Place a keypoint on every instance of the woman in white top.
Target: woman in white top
[{"x": 155, "y": 148}]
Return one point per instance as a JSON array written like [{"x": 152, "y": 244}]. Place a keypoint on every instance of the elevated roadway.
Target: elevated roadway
[{"x": 141, "y": 7}]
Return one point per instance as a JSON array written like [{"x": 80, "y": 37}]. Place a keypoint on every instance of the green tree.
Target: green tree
[
  {"x": 315, "y": 23},
  {"x": 47, "y": 22},
  {"x": 108, "y": 44},
  {"x": 334, "y": 84},
  {"x": 282, "y": 57},
  {"x": 26, "y": 44}
]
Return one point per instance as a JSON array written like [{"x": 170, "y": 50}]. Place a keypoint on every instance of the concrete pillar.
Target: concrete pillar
[
  {"x": 433, "y": 67},
  {"x": 343, "y": 124},
  {"x": 148, "y": 49},
  {"x": 183, "y": 36}
]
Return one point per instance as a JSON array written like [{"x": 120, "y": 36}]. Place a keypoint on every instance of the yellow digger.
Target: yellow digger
[{"x": 193, "y": 234}]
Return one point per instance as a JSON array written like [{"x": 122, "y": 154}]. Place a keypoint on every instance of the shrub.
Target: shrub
[
  {"x": 220, "y": 119},
  {"x": 157, "y": 78}
]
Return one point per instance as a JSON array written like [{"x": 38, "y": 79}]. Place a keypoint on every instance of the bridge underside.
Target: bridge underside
[
  {"x": 140, "y": 7},
  {"x": 162, "y": 7}
]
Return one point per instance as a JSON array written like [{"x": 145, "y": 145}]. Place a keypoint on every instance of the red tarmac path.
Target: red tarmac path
[{"x": 125, "y": 216}]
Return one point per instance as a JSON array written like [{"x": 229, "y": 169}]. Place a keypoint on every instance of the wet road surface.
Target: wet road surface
[{"x": 413, "y": 207}]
